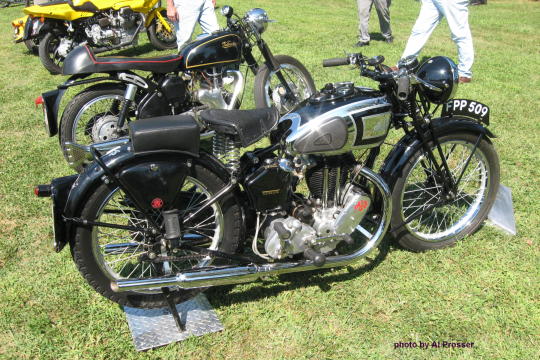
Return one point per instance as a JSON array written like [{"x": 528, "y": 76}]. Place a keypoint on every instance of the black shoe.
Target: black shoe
[
  {"x": 389, "y": 40},
  {"x": 362, "y": 43}
]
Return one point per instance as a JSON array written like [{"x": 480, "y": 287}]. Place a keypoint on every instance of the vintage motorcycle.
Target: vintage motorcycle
[
  {"x": 57, "y": 27},
  {"x": 158, "y": 216},
  {"x": 204, "y": 73}
]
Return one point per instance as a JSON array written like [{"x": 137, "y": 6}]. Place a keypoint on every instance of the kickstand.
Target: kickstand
[{"x": 172, "y": 308}]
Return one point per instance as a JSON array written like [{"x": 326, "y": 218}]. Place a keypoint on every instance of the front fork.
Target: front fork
[{"x": 272, "y": 64}]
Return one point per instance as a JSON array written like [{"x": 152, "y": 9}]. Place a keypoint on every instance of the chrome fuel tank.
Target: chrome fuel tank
[{"x": 338, "y": 119}]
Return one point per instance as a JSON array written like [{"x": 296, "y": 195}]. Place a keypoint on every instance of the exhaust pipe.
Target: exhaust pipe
[{"x": 242, "y": 274}]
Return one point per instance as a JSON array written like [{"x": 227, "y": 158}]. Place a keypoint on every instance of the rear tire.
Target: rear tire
[
  {"x": 84, "y": 117},
  {"x": 111, "y": 205},
  {"x": 32, "y": 45},
  {"x": 418, "y": 188},
  {"x": 48, "y": 48},
  {"x": 159, "y": 37}
]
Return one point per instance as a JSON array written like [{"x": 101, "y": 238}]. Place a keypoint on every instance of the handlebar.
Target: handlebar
[
  {"x": 358, "y": 59},
  {"x": 336, "y": 62}
]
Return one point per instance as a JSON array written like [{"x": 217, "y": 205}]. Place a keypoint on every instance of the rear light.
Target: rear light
[
  {"x": 38, "y": 101},
  {"x": 42, "y": 190}
]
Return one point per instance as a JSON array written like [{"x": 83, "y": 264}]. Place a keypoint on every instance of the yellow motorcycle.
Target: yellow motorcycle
[{"x": 60, "y": 26}]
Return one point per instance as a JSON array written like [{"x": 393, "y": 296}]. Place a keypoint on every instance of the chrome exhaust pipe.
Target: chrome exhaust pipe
[{"x": 242, "y": 274}]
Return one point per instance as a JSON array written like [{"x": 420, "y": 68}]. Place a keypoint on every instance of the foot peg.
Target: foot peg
[{"x": 315, "y": 256}]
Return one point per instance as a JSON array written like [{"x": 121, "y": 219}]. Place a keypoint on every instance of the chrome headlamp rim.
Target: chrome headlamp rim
[{"x": 258, "y": 19}]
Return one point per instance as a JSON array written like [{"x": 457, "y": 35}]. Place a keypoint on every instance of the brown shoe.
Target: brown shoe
[{"x": 464, "y": 79}]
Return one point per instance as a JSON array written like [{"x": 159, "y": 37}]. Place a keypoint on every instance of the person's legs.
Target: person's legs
[
  {"x": 188, "y": 15},
  {"x": 457, "y": 15},
  {"x": 364, "y": 9},
  {"x": 208, "y": 19},
  {"x": 384, "y": 17},
  {"x": 427, "y": 20}
]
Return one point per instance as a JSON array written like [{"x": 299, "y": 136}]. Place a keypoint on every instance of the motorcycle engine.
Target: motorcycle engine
[
  {"x": 333, "y": 210},
  {"x": 116, "y": 28}
]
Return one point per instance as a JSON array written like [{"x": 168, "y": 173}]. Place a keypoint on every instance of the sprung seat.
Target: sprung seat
[
  {"x": 82, "y": 60},
  {"x": 249, "y": 126}
]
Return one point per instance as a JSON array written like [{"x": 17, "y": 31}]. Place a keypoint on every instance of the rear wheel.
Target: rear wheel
[
  {"x": 159, "y": 37},
  {"x": 92, "y": 116},
  {"x": 268, "y": 89},
  {"x": 439, "y": 219},
  {"x": 32, "y": 45},
  {"x": 104, "y": 254},
  {"x": 49, "y": 54}
]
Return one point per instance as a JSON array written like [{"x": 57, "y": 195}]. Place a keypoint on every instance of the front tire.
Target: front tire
[
  {"x": 48, "y": 53},
  {"x": 419, "y": 187},
  {"x": 269, "y": 91},
  {"x": 159, "y": 37},
  {"x": 100, "y": 260}
]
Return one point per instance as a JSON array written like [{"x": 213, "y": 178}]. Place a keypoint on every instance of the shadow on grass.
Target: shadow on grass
[{"x": 222, "y": 296}]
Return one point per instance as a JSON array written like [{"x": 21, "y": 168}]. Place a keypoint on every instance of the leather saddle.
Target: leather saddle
[{"x": 82, "y": 60}]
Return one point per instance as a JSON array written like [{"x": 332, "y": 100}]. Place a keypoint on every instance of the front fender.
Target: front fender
[
  {"x": 117, "y": 160},
  {"x": 392, "y": 167}
]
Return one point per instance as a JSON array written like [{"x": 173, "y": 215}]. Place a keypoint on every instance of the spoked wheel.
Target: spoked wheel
[
  {"x": 92, "y": 116},
  {"x": 439, "y": 218},
  {"x": 159, "y": 36},
  {"x": 104, "y": 254},
  {"x": 49, "y": 55},
  {"x": 268, "y": 89}
]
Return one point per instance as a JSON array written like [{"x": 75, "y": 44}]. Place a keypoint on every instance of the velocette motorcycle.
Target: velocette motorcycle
[
  {"x": 204, "y": 73},
  {"x": 159, "y": 216},
  {"x": 57, "y": 27}
]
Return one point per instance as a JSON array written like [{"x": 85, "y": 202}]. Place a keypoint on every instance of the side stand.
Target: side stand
[{"x": 172, "y": 308}]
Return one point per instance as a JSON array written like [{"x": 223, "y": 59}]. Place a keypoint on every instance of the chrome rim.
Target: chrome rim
[
  {"x": 118, "y": 252},
  {"x": 422, "y": 189},
  {"x": 98, "y": 112},
  {"x": 275, "y": 93},
  {"x": 168, "y": 37}
]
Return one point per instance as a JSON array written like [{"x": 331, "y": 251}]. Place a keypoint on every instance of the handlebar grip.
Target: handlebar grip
[{"x": 336, "y": 62}]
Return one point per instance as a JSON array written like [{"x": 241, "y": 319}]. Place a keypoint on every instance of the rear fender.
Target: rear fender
[
  {"x": 395, "y": 161},
  {"x": 132, "y": 169},
  {"x": 53, "y": 98}
]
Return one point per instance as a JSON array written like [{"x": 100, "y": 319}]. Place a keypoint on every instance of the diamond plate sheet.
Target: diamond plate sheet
[
  {"x": 502, "y": 212},
  {"x": 152, "y": 328}
]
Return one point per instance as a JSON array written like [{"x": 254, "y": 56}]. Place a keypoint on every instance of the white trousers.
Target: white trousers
[
  {"x": 457, "y": 15},
  {"x": 189, "y": 13}
]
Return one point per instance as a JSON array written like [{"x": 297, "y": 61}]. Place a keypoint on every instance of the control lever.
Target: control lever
[
  {"x": 376, "y": 60},
  {"x": 315, "y": 256}
]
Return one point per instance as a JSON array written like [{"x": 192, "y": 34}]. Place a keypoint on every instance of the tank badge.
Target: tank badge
[
  {"x": 271, "y": 192},
  {"x": 228, "y": 44}
]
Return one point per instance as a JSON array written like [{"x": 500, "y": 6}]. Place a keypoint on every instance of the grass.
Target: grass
[{"x": 484, "y": 290}]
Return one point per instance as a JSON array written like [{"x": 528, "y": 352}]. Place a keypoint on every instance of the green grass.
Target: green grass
[{"x": 484, "y": 290}]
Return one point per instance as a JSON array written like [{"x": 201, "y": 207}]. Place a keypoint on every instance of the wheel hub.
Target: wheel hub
[
  {"x": 106, "y": 128},
  {"x": 279, "y": 96}
]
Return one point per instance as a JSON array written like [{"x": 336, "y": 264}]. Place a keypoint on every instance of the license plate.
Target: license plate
[{"x": 466, "y": 108}]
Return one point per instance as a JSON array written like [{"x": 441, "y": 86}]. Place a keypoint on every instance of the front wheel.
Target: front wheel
[
  {"x": 159, "y": 36},
  {"x": 52, "y": 51},
  {"x": 439, "y": 218},
  {"x": 105, "y": 254},
  {"x": 269, "y": 90}
]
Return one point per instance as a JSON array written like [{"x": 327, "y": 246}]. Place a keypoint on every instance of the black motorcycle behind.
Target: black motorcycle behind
[{"x": 204, "y": 74}]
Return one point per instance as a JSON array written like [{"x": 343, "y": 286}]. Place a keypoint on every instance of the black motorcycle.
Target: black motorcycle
[
  {"x": 158, "y": 216},
  {"x": 204, "y": 73}
]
